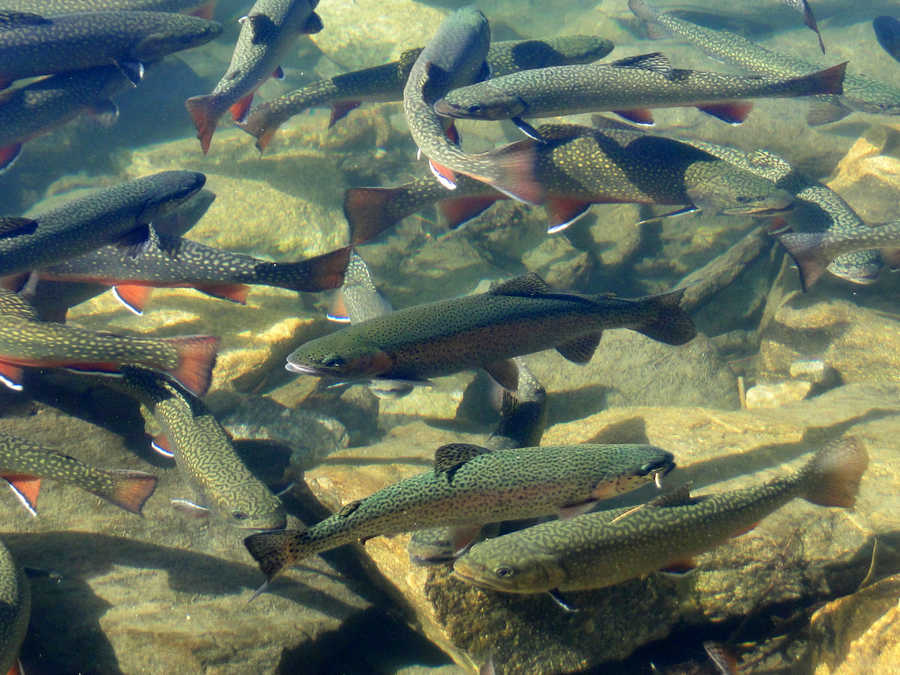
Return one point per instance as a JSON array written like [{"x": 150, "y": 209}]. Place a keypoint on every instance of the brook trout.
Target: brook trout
[{"x": 15, "y": 610}]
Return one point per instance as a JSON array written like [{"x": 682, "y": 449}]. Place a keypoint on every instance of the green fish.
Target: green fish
[
  {"x": 31, "y": 44},
  {"x": 347, "y": 91},
  {"x": 518, "y": 317},
  {"x": 122, "y": 213},
  {"x": 40, "y": 107},
  {"x": 860, "y": 93},
  {"x": 455, "y": 56},
  {"x": 186, "y": 430},
  {"x": 472, "y": 485},
  {"x": 268, "y": 32},
  {"x": 27, "y": 342},
  {"x": 608, "y": 547},
  {"x": 15, "y": 610},
  {"x": 628, "y": 87},
  {"x": 580, "y": 166},
  {"x": 24, "y": 465},
  {"x": 201, "y": 8},
  {"x": 814, "y": 251}
]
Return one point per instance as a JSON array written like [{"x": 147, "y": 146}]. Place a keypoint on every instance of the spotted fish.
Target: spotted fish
[
  {"x": 608, "y": 547},
  {"x": 15, "y": 610},
  {"x": 201, "y": 8},
  {"x": 24, "y": 464},
  {"x": 471, "y": 485}
]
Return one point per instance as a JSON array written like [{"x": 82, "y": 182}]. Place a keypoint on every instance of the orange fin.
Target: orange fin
[
  {"x": 26, "y": 488},
  {"x": 11, "y": 376},
  {"x": 337, "y": 310},
  {"x": 204, "y": 11},
  {"x": 457, "y": 212},
  {"x": 131, "y": 489},
  {"x": 564, "y": 211},
  {"x": 733, "y": 112},
  {"x": 340, "y": 110},
  {"x": 321, "y": 273},
  {"x": 200, "y": 108},
  {"x": 161, "y": 445},
  {"x": 9, "y": 155},
  {"x": 234, "y": 292},
  {"x": 636, "y": 115},
  {"x": 445, "y": 176},
  {"x": 240, "y": 109},
  {"x": 452, "y": 133},
  {"x": 134, "y": 296},
  {"x": 196, "y": 358},
  {"x": 371, "y": 211},
  {"x": 516, "y": 165}
]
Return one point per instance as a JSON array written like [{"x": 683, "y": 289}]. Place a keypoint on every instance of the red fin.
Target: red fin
[
  {"x": 337, "y": 310},
  {"x": 196, "y": 358},
  {"x": 636, "y": 115},
  {"x": 340, "y": 110},
  {"x": 11, "y": 376},
  {"x": 131, "y": 489},
  {"x": 133, "y": 296},
  {"x": 828, "y": 81},
  {"x": 9, "y": 155},
  {"x": 234, "y": 292},
  {"x": 240, "y": 109},
  {"x": 445, "y": 176},
  {"x": 204, "y": 11},
  {"x": 14, "y": 282},
  {"x": 369, "y": 211},
  {"x": 516, "y": 163},
  {"x": 456, "y": 212},
  {"x": 200, "y": 108},
  {"x": 564, "y": 211},
  {"x": 161, "y": 445},
  {"x": 733, "y": 112},
  {"x": 321, "y": 273},
  {"x": 680, "y": 566},
  {"x": 263, "y": 140},
  {"x": 26, "y": 488},
  {"x": 452, "y": 133}
]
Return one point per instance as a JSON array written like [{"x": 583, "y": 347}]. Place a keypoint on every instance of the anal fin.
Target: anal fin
[
  {"x": 733, "y": 112},
  {"x": 26, "y": 488},
  {"x": 133, "y": 296},
  {"x": 340, "y": 109},
  {"x": 240, "y": 109}
]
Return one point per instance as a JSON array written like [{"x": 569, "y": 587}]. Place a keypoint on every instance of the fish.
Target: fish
[
  {"x": 455, "y": 56},
  {"x": 122, "y": 213},
  {"x": 605, "y": 548},
  {"x": 24, "y": 464},
  {"x": 27, "y": 342},
  {"x": 471, "y": 485},
  {"x": 201, "y": 8},
  {"x": 814, "y": 251},
  {"x": 580, "y": 166},
  {"x": 32, "y": 44},
  {"x": 518, "y": 317},
  {"x": 860, "y": 93},
  {"x": 347, "y": 91},
  {"x": 185, "y": 429},
  {"x": 42, "y": 106},
  {"x": 15, "y": 598},
  {"x": 174, "y": 262},
  {"x": 887, "y": 32},
  {"x": 820, "y": 207},
  {"x": 629, "y": 87},
  {"x": 268, "y": 32},
  {"x": 809, "y": 18}
]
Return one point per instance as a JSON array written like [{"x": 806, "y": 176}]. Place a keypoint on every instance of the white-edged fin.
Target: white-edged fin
[
  {"x": 442, "y": 179},
  {"x": 657, "y": 480},
  {"x": 161, "y": 450},
  {"x": 189, "y": 508},
  {"x": 671, "y": 214},
  {"x": 561, "y": 601},
  {"x": 528, "y": 130},
  {"x": 337, "y": 318},
  {"x": 23, "y": 498},
  {"x": 12, "y": 384},
  {"x": 259, "y": 591},
  {"x": 127, "y": 305}
]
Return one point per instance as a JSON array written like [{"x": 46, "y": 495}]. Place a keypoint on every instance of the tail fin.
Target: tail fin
[
  {"x": 832, "y": 477},
  {"x": 828, "y": 81},
  {"x": 670, "y": 323},
  {"x": 205, "y": 116},
  {"x": 806, "y": 250},
  {"x": 514, "y": 166},
  {"x": 196, "y": 358},
  {"x": 321, "y": 273},
  {"x": 258, "y": 125},
  {"x": 371, "y": 211},
  {"x": 273, "y": 551},
  {"x": 130, "y": 489}
]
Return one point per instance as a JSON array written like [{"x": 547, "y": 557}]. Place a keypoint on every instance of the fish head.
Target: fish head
[
  {"x": 507, "y": 569},
  {"x": 249, "y": 506},
  {"x": 342, "y": 355},
  {"x": 735, "y": 192},
  {"x": 177, "y": 33},
  {"x": 167, "y": 191},
  {"x": 481, "y": 103},
  {"x": 857, "y": 267}
]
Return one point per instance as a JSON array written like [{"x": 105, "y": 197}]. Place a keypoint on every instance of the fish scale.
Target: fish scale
[
  {"x": 15, "y": 609},
  {"x": 54, "y": 7},
  {"x": 479, "y": 486}
]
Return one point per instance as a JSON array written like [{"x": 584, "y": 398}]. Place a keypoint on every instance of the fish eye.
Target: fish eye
[
  {"x": 334, "y": 362},
  {"x": 504, "y": 571},
  {"x": 240, "y": 515}
]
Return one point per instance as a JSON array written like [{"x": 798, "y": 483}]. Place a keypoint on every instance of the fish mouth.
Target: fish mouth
[
  {"x": 303, "y": 369},
  {"x": 658, "y": 468},
  {"x": 759, "y": 212},
  {"x": 441, "y": 107},
  {"x": 459, "y": 573}
]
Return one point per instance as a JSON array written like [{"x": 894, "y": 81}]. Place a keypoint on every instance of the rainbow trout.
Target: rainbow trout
[
  {"x": 608, "y": 547},
  {"x": 184, "y": 428},
  {"x": 15, "y": 610},
  {"x": 814, "y": 251},
  {"x": 27, "y": 342},
  {"x": 24, "y": 465},
  {"x": 580, "y": 166},
  {"x": 201, "y": 8},
  {"x": 628, "y": 87},
  {"x": 122, "y": 213},
  {"x": 173, "y": 262},
  {"x": 860, "y": 93},
  {"x": 455, "y": 56},
  {"x": 268, "y": 32},
  {"x": 347, "y": 91},
  {"x": 471, "y": 485},
  {"x": 31, "y": 44},
  {"x": 40, "y": 107},
  {"x": 520, "y": 316}
]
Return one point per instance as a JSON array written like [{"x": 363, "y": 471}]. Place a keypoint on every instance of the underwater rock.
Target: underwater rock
[
  {"x": 799, "y": 553},
  {"x": 774, "y": 395},
  {"x": 868, "y": 176},
  {"x": 559, "y": 263},
  {"x": 616, "y": 237}
]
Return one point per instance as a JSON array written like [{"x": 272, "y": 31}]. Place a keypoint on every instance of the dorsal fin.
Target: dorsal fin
[
  {"x": 528, "y": 285},
  {"x": 347, "y": 509},
  {"x": 677, "y": 497},
  {"x": 10, "y": 19},
  {"x": 654, "y": 61},
  {"x": 14, "y": 226},
  {"x": 449, "y": 458},
  {"x": 13, "y": 305}
]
